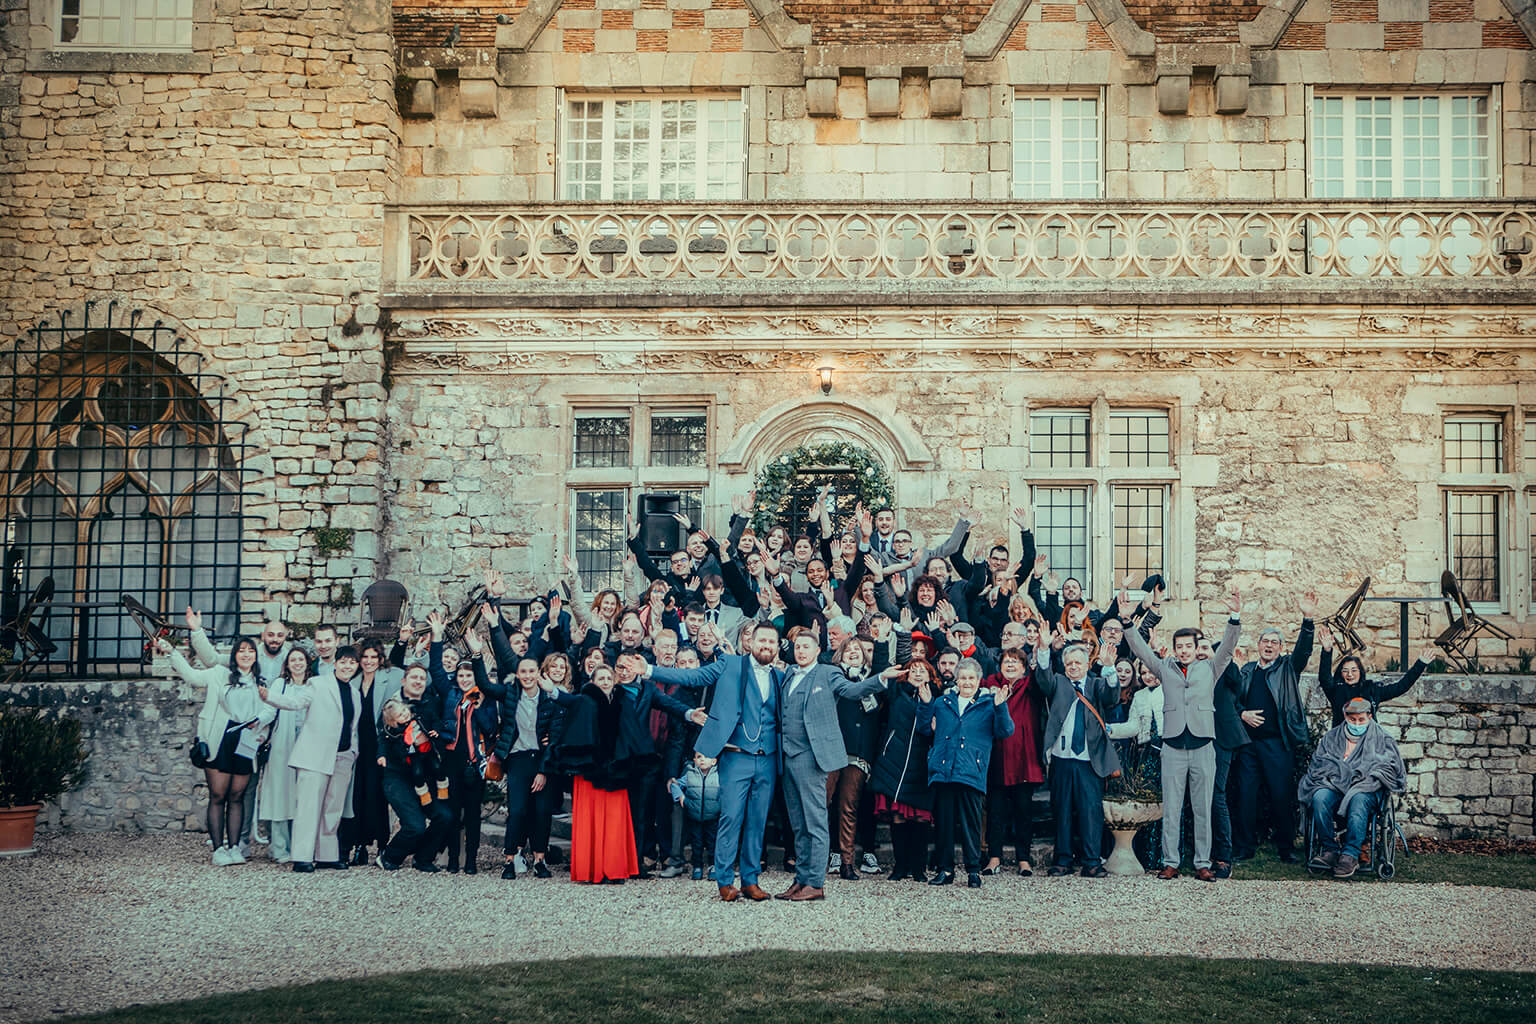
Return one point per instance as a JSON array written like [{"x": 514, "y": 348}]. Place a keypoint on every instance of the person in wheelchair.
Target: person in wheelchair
[{"x": 1354, "y": 770}]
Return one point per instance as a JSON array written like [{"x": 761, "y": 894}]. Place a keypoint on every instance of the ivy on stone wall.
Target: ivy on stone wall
[
  {"x": 330, "y": 541},
  {"x": 774, "y": 482}
]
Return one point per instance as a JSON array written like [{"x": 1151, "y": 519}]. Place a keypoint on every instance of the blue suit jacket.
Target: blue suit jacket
[{"x": 730, "y": 676}]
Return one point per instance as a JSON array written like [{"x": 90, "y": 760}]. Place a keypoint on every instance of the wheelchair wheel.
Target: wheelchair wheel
[{"x": 1385, "y": 870}]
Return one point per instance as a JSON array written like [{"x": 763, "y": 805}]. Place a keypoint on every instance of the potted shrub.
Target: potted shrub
[
  {"x": 42, "y": 757},
  {"x": 1132, "y": 799}
]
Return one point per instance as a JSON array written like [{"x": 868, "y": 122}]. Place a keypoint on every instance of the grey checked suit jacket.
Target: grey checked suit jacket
[
  {"x": 826, "y": 684},
  {"x": 1189, "y": 699}
]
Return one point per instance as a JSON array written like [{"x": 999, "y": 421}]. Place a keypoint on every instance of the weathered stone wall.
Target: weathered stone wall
[
  {"x": 1468, "y": 746},
  {"x": 1283, "y": 478},
  {"x": 1470, "y": 755},
  {"x": 893, "y": 137},
  {"x": 235, "y": 193}
]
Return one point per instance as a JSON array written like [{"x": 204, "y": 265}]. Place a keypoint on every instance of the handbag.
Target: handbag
[
  {"x": 1078, "y": 694},
  {"x": 493, "y": 770},
  {"x": 199, "y": 753},
  {"x": 264, "y": 752}
]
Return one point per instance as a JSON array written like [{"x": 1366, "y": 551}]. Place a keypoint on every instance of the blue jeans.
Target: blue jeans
[
  {"x": 1221, "y": 816},
  {"x": 1358, "y": 815}
]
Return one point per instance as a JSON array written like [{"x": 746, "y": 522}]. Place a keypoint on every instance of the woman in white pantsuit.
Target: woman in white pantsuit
[
  {"x": 322, "y": 759},
  {"x": 278, "y": 797}
]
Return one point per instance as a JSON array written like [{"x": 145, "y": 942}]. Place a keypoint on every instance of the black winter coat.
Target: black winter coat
[
  {"x": 603, "y": 740},
  {"x": 901, "y": 765}
]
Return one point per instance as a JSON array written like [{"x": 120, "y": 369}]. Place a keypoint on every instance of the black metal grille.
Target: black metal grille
[
  {"x": 1138, "y": 530},
  {"x": 1058, "y": 439},
  {"x": 599, "y": 530},
  {"x": 1472, "y": 539},
  {"x": 804, "y": 489},
  {"x": 121, "y": 474},
  {"x": 1474, "y": 445},
  {"x": 678, "y": 439},
  {"x": 1138, "y": 439},
  {"x": 602, "y": 441}
]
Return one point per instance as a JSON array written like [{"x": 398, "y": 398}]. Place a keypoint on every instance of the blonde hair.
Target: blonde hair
[{"x": 395, "y": 709}]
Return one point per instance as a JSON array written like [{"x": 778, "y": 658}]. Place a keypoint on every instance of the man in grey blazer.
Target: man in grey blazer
[
  {"x": 1078, "y": 747},
  {"x": 1189, "y": 731},
  {"x": 323, "y": 754},
  {"x": 811, "y": 746}
]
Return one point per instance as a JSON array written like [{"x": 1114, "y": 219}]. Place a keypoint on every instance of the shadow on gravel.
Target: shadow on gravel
[{"x": 792, "y": 988}]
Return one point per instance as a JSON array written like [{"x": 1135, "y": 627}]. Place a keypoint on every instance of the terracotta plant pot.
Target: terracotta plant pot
[{"x": 17, "y": 827}]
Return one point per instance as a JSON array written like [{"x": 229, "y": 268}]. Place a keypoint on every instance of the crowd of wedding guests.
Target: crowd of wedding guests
[{"x": 803, "y": 684}]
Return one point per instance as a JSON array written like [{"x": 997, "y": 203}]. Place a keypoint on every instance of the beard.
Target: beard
[
  {"x": 758, "y": 656},
  {"x": 273, "y": 648}
]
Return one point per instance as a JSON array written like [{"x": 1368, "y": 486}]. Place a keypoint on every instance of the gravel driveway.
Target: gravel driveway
[{"x": 104, "y": 920}]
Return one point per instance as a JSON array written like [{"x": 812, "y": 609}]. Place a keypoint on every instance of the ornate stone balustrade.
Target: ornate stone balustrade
[{"x": 711, "y": 253}]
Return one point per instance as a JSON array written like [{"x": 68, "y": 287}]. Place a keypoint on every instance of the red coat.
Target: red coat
[{"x": 1017, "y": 759}]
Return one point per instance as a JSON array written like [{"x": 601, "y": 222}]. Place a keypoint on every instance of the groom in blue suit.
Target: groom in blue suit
[{"x": 742, "y": 736}]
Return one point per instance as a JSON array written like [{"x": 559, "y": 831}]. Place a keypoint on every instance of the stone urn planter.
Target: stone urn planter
[
  {"x": 42, "y": 757},
  {"x": 1124, "y": 817}
]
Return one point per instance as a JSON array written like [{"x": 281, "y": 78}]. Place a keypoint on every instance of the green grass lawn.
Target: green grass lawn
[
  {"x": 774, "y": 987},
  {"x": 1509, "y": 871}
]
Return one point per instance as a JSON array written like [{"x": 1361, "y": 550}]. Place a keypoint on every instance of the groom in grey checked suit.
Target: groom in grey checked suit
[{"x": 811, "y": 745}]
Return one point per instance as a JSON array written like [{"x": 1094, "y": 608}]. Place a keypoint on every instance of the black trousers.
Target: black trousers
[
  {"x": 642, "y": 797},
  {"x": 659, "y": 823},
  {"x": 1077, "y": 800},
  {"x": 957, "y": 808},
  {"x": 1267, "y": 765},
  {"x": 526, "y": 820},
  {"x": 466, "y": 795},
  {"x": 909, "y": 846},
  {"x": 1010, "y": 805},
  {"x": 423, "y": 829}
]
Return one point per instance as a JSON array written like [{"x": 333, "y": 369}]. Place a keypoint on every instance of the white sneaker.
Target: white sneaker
[
  {"x": 221, "y": 857},
  {"x": 234, "y": 856},
  {"x": 835, "y": 862},
  {"x": 262, "y": 838},
  {"x": 518, "y": 863},
  {"x": 869, "y": 865}
]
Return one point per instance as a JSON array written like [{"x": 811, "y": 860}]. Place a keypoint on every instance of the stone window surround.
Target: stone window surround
[
  {"x": 43, "y": 53},
  {"x": 1495, "y": 120},
  {"x": 1101, "y": 479},
  {"x": 1515, "y": 488},
  {"x": 639, "y": 476}
]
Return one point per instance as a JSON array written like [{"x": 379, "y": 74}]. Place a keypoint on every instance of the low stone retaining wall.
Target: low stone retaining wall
[{"x": 1467, "y": 741}]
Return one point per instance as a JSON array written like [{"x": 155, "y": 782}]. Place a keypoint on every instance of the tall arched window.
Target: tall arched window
[{"x": 119, "y": 477}]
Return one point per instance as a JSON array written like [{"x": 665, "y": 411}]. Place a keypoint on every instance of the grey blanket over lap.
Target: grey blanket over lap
[{"x": 1375, "y": 764}]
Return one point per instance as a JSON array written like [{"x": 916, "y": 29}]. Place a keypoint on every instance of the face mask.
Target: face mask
[{"x": 1357, "y": 730}]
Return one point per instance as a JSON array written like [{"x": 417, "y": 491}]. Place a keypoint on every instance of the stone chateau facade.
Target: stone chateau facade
[{"x": 1236, "y": 291}]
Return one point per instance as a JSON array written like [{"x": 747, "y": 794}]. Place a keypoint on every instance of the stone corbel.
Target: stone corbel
[
  {"x": 1173, "y": 89},
  {"x": 421, "y": 93},
  {"x": 882, "y": 86},
  {"x": 1232, "y": 88},
  {"x": 945, "y": 89},
  {"x": 525, "y": 27},
  {"x": 477, "y": 91},
  {"x": 821, "y": 90}
]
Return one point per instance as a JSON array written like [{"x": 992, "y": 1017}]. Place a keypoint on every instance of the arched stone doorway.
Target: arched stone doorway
[{"x": 790, "y": 484}]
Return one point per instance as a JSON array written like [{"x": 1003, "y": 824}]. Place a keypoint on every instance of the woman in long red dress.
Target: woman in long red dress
[{"x": 603, "y": 748}]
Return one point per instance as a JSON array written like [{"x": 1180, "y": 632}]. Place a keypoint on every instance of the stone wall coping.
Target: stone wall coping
[{"x": 104, "y": 62}]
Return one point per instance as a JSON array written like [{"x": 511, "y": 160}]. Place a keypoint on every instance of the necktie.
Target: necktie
[
  {"x": 1079, "y": 741},
  {"x": 345, "y": 743},
  {"x": 821, "y": 600},
  {"x": 713, "y": 616}
]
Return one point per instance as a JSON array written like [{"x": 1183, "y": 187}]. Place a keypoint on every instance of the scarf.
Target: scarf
[{"x": 348, "y": 712}]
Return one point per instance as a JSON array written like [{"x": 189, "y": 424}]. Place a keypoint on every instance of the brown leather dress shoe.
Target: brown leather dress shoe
[
  {"x": 1206, "y": 875},
  {"x": 1168, "y": 873},
  {"x": 789, "y": 894},
  {"x": 806, "y": 894},
  {"x": 755, "y": 892},
  {"x": 729, "y": 894}
]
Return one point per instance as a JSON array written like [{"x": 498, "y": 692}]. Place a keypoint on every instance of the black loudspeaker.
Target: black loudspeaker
[{"x": 659, "y": 532}]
